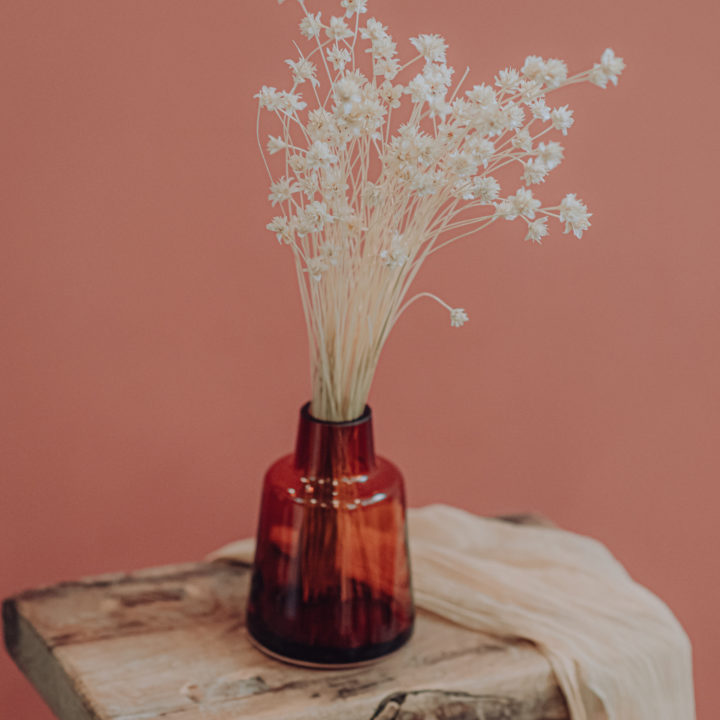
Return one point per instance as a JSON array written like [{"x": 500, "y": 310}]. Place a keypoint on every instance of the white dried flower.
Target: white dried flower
[
  {"x": 485, "y": 189},
  {"x": 530, "y": 90},
  {"x": 521, "y": 204},
  {"x": 373, "y": 31},
  {"x": 354, "y": 7},
  {"x": 269, "y": 98},
  {"x": 458, "y": 317},
  {"x": 310, "y": 25},
  {"x": 508, "y": 80},
  {"x": 535, "y": 171},
  {"x": 291, "y": 102},
  {"x": 609, "y": 68},
  {"x": 551, "y": 154},
  {"x": 514, "y": 116},
  {"x": 397, "y": 255},
  {"x": 281, "y": 227},
  {"x": 297, "y": 163},
  {"x": 338, "y": 29},
  {"x": 483, "y": 95},
  {"x": 562, "y": 118},
  {"x": 315, "y": 267},
  {"x": 390, "y": 94},
  {"x": 303, "y": 70},
  {"x": 431, "y": 47},
  {"x": 386, "y": 67},
  {"x": 418, "y": 89},
  {"x": 319, "y": 156},
  {"x": 481, "y": 148},
  {"x": 574, "y": 214},
  {"x": 522, "y": 140},
  {"x": 537, "y": 230},
  {"x": 462, "y": 164},
  {"x": 275, "y": 144},
  {"x": 281, "y": 191},
  {"x": 539, "y": 109},
  {"x": 347, "y": 93},
  {"x": 555, "y": 73},
  {"x": 338, "y": 57},
  {"x": 533, "y": 68}
]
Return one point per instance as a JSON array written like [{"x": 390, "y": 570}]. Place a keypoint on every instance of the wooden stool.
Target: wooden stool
[{"x": 170, "y": 643}]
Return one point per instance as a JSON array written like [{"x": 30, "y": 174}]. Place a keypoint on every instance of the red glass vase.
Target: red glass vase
[{"x": 331, "y": 579}]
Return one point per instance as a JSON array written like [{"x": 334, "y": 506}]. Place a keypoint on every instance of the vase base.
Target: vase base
[{"x": 318, "y": 665}]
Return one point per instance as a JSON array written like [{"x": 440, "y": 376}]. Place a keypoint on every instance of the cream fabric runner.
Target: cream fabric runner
[{"x": 617, "y": 650}]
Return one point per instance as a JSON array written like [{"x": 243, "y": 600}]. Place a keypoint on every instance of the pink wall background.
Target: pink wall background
[{"x": 153, "y": 357}]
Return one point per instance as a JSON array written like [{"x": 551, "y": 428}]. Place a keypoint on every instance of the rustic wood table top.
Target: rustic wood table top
[{"x": 170, "y": 642}]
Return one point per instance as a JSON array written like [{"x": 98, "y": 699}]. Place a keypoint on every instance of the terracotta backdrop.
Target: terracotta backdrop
[{"x": 153, "y": 357}]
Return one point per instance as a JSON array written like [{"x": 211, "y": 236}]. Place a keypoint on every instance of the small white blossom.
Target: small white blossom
[
  {"x": 397, "y": 255},
  {"x": 535, "y": 171},
  {"x": 312, "y": 218},
  {"x": 418, "y": 89},
  {"x": 539, "y": 109},
  {"x": 373, "y": 31},
  {"x": 514, "y": 116},
  {"x": 522, "y": 140},
  {"x": 521, "y": 204},
  {"x": 316, "y": 266},
  {"x": 302, "y": 70},
  {"x": 574, "y": 214},
  {"x": 269, "y": 98},
  {"x": 310, "y": 25},
  {"x": 281, "y": 191},
  {"x": 458, "y": 317},
  {"x": 275, "y": 144},
  {"x": 431, "y": 47},
  {"x": 338, "y": 29},
  {"x": 530, "y": 90},
  {"x": 485, "y": 189},
  {"x": 551, "y": 154},
  {"x": 438, "y": 107},
  {"x": 508, "y": 80},
  {"x": 562, "y": 118},
  {"x": 319, "y": 156},
  {"x": 338, "y": 57},
  {"x": 290, "y": 102},
  {"x": 308, "y": 185},
  {"x": 552, "y": 73},
  {"x": 297, "y": 163},
  {"x": 537, "y": 230},
  {"x": 555, "y": 73},
  {"x": 347, "y": 94},
  {"x": 281, "y": 227},
  {"x": 354, "y": 7},
  {"x": 483, "y": 95},
  {"x": 481, "y": 148},
  {"x": 533, "y": 68},
  {"x": 386, "y": 67},
  {"x": 391, "y": 94},
  {"x": 462, "y": 164},
  {"x": 609, "y": 68}
]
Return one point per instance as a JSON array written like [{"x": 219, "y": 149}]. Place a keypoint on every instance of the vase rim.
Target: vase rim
[{"x": 365, "y": 417}]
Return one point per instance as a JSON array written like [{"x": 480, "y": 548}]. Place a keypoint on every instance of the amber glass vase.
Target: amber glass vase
[{"x": 331, "y": 579}]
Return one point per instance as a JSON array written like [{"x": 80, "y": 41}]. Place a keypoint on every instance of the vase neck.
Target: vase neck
[{"x": 327, "y": 449}]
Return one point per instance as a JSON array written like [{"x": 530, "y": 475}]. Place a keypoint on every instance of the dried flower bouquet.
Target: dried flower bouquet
[{"x": 385, "y": 162}]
